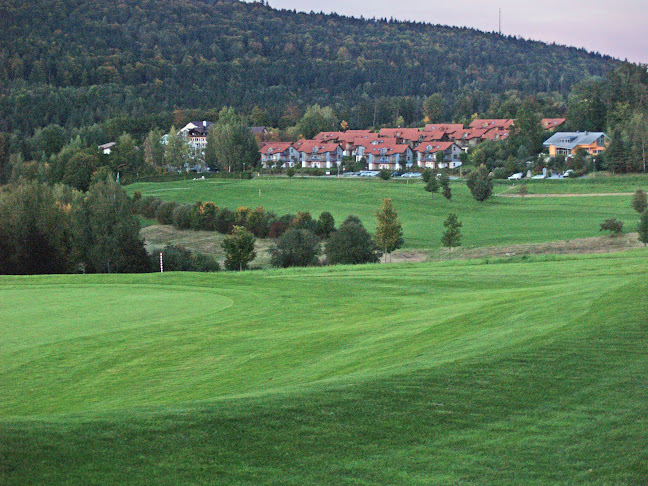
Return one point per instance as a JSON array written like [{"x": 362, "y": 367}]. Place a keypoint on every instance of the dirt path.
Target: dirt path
[{"x": 569, "y": 195}]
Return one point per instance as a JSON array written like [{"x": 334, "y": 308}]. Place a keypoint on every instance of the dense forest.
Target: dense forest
[{"x": 75, "y": 64}]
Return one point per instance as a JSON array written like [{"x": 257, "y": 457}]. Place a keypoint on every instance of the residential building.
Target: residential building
[
  {"x": 107, "y": 148},
  {"x": 567, "y": 143},
  {"x": 552, "y": 123},
  {"x": 278, "y": 154},
  {"x": 386, "y": 154},
  {"x": 426, "y": 155},
  {"x": 318, "y": 155},
  {"x": 502, "y": 124}
]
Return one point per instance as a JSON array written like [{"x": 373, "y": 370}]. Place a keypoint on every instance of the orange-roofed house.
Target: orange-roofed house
[
  {"x": 552, "y": 123},
  {"x": 278, "y": 154},
  {"x": 501, "y": 123},
  {"x": 401, "y": 135},
  {"x": 328, "y": 136},
  {"x": 318, "y": 155},
  {"x": 468, "y": 137},
  {"x": 385, "y": 154},
  {"x": 446, "y": 127},
  {"x": 426, "y": 155},
  {"x": 496, "y": 134}
]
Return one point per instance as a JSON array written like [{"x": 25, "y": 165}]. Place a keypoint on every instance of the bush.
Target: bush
[
  {"x": 385, "y": 174},
  {"x": 149, "y": 205},
  {"x": 225, "y": 220},
  {"x": 182, "y": 217},
  {"x": 304, "y": 220},
  {"x": 258, "y": 222},
  {"x": 351, "y": 244},
  {"x": 427, "y": 176},
  {"x": 208, "y": 217},
  {"x": 179, "y": 259},
  {"x": 164, "y": 213},
  {"x": 295, "y": 248},
  {"x": 500, "y": 173},
  {"x": 613, "y": 225}
]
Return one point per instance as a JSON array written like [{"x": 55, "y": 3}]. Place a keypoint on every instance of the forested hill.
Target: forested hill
[{"x": 79, "y": 62}]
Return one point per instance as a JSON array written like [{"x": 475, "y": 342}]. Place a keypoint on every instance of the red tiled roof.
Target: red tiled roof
[
  {"x": 549, "y": 123},
  {"x": 309, "y": 145},
  {"x": 496, "y": 134},
  {"x": 274, "y": 147},
  {"x": 503, "y": 123},
  {"x": 446, "y": 127},
  {"x": 435, "y": 135},
  {"x": 412, "y": 134},
  {"x": 327, "y": 136},
  {"x": 434, "y": 147},
  {"x": 391, "y": 148},
  {"x": 468, "y": 133}
]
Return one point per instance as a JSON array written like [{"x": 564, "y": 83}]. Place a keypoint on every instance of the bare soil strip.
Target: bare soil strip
[
  {"x": 600, "y": 194},
  {"x": 598, "y": 244}
]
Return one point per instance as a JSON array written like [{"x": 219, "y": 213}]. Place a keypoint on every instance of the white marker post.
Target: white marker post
[{"x": 161, "y": 264}]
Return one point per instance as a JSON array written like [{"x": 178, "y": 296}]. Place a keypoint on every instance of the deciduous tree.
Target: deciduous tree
[
  {"x": 239, "y": 249},
  {"x": 389, "y": 231}
]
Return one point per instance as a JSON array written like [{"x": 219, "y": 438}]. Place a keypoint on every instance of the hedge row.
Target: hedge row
[{"x": 209, "y": 217}]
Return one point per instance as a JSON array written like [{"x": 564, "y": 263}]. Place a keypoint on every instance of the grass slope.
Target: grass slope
[
  {"x": 505, "y": 373},
  {"x": 496, "y": 222}
]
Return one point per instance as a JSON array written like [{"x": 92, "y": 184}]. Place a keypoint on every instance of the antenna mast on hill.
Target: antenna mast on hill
[{"x": 500, "y": 21}]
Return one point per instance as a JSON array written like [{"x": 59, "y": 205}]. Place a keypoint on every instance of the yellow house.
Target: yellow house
[{"x": 567, "y": 143}]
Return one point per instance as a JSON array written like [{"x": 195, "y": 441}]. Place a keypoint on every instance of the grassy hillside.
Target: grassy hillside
[
  {"x": 497, "y": 222},
  {"x": 505, "y": 373}
]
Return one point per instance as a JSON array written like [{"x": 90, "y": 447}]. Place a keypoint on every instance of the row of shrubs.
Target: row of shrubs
[{"x": 209, "y": 217}]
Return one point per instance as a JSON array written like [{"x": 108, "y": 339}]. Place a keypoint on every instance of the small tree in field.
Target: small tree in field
[
  {"x": 613, "y": 225},
  {"x": 290, "y": 172},
  {"x": 642, "y": 229},
  {"x": 239, "y": 249},
  {"x": 389, "y": 232},
  {"x": 480, "y": 183},
  {"x": 432, "y": 185},
  {"x": 639, "y": 201},
  {"x": 452, "y": 236},
  {"x": 523, "y": 190},
  {"x": 444, "y": 180}
]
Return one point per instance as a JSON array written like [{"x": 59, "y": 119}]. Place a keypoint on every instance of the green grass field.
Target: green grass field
[
  {"x": 527, "y": 371},
  {"x": 499, "y": 221}
]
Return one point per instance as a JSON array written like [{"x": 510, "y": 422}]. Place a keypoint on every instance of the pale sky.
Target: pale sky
[{"x": 614, "y": 27}]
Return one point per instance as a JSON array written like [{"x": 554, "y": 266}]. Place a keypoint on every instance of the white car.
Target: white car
[
  {"x": 412, "y": 175},
  {"x": 516, "y": 177}
]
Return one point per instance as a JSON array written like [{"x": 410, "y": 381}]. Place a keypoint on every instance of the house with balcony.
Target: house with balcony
[
  {"x": 278, "y": 154},
  {"x": 567, "y": 143},
  {"x": 318, "y": 155},
  {"x": 386, "y": 154},
  {"x": 426, "y": 155}
]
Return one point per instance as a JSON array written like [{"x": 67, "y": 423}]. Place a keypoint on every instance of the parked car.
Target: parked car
[
  {"x": 412, "y": 175},
  {"x": 516, "y": 177},
  {"x": 396, "y": 174},
  {"x": 369, "y": 173}
]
